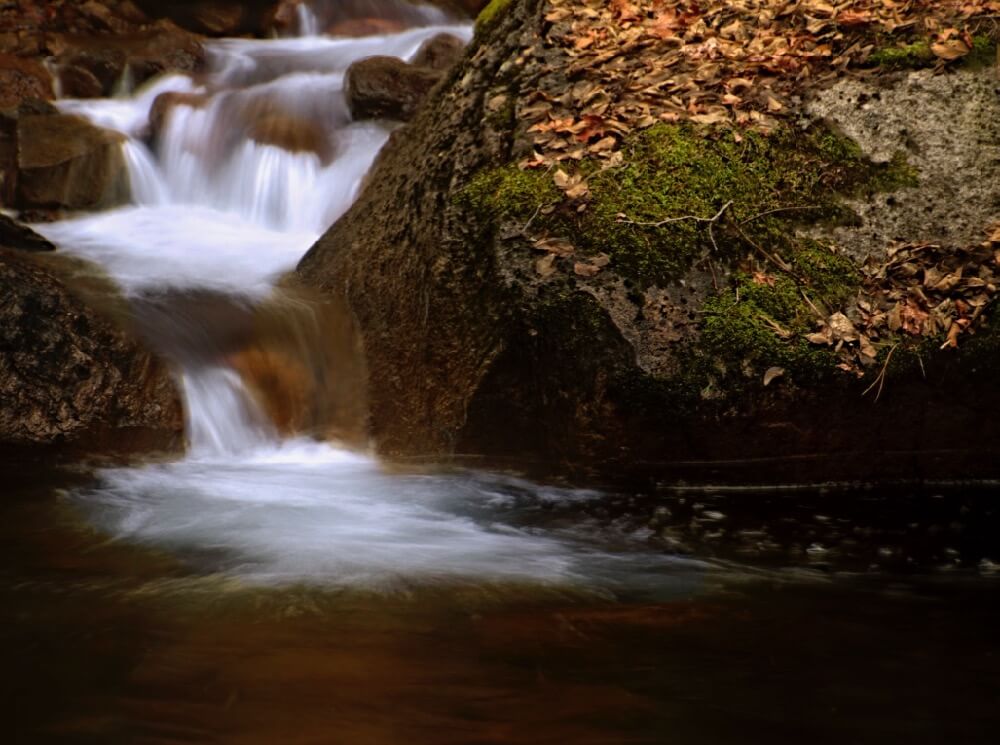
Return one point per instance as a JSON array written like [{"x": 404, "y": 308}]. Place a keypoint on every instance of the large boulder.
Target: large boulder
[
  {"x": 64, "y": 162},
  {"x": 387, "y": 88},
  {"x": 70, "y": 376},
  {"x": 544, "y": 268}
]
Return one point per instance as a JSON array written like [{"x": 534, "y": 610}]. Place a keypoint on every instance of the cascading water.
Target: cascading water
[{"x": 244, "y": 168}]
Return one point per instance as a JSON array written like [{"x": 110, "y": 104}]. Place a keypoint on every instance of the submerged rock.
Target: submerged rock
[
  {"x": 70, "y": 377},
  {"x": 628, "y": 314}
]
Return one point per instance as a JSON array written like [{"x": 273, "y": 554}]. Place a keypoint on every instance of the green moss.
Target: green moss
[
  {"x": 919, "y": 55},
  {"x": 509, "y": 193},
  {"x": 905, "y": 57},
  {"x": 673, "y": 174},
  {"x": 490, "y": 13},
  {"x": 983, "y": 54}
]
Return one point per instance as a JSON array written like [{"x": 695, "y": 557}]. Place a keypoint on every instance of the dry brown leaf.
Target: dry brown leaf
[
  {"x": 546, "y": 266},
  {"x": 772, "y": 373},
  {"x": 951, "y": 50},
  {"x": 555, "y": 246}
]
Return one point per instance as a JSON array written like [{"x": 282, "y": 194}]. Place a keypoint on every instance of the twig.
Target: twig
[
  {"x": 880, "y": 378},
  {"x": 524, "y": 228},
  {"x": 710, "y": 220},
  {"x": 780, "y": 209},
  {"x": 812, "y": 305},
  {"x": 786, "y": 268}
]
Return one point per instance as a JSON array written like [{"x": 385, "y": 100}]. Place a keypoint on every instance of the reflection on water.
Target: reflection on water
[{"x": 107, "y": 642}]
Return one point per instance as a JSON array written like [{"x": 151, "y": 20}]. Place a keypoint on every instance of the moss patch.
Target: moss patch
[
  {"x": 918, "y": 55},
  {"x": 675, "y": 173},
  {"x": 490, "y": 13}
]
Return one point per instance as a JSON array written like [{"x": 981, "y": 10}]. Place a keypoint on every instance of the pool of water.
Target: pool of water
[{"x": 112, "y": 638}]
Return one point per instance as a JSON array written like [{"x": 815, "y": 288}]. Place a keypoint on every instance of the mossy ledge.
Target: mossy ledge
[
  {"x": 776, "y": 283},
  {"x": 770, "y": 182}
]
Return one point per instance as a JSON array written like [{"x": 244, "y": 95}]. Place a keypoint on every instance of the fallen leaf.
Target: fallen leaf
[
  {"x": 773, "y": 373},
  {"x": 555, "y": 246},
  {"x": 545, "y": 266},
  {"x": 950, "y": 50}
]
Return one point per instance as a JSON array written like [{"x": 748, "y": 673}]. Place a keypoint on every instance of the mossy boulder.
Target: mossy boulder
[{"x": 652, "y": 312}]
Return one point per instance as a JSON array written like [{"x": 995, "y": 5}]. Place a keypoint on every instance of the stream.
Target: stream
[{"x": 274, "y": 588}]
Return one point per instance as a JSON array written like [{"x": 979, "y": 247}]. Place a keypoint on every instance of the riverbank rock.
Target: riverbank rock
[
  {"x": 95, "y": 66},
  {"x": 556, "y": 261},
  {"x": 215, "y": 17},
  {"x": 22, "y": 79},
  {"x": 387, "y": 88},
  {"x": 70, "y": 378}
]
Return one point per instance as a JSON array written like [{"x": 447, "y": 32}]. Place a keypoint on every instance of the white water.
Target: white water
[{"x": 213, "y": 208}]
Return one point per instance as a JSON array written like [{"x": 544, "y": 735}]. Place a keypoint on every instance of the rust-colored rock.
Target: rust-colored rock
[
  {"x": 70, "y": 377},
  {"x": 292, "y": 133},
  {"x": 305, "y": 367},
  {"x": 357, "y": 27},
  {"x": 22, "y": 79},
  {"x": 63, "y": 161}
]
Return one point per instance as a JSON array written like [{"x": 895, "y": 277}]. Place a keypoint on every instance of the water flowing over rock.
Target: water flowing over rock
[
  {"x": 486, "y": 333},
  {"x": 69, "y": 376}
]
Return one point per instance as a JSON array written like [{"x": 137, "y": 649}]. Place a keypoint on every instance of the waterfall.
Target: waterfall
[{"x": 234, "y": 175}]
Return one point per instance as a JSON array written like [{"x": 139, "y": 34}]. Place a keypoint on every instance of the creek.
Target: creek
[{"x": 273, "y": 587}]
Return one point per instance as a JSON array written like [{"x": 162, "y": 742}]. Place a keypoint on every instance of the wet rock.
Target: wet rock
[
  {"x": 357, "y": 27},
  {"x": 14, "y": 234},
  {"x": 94, "y": 66},
  {"x": 69, "y": 376},
  {"x": 164, "y": 103},
  {"x": 439, "y": 52},
  {"x": 387, "y": 88},
  {"x": 22, "y": 79},
  {"x": 63, "y": 161}
]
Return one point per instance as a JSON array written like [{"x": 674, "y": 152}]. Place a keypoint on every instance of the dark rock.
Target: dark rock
[
  {"x": 215, "y": 17},
  {"x": 63, "y": 161},
  {"x": 387, "y": 88},
  {"x": 439, "y": 52},
  {"x": 14, "y": 234},
  {"x": 69, "y": 376}
]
